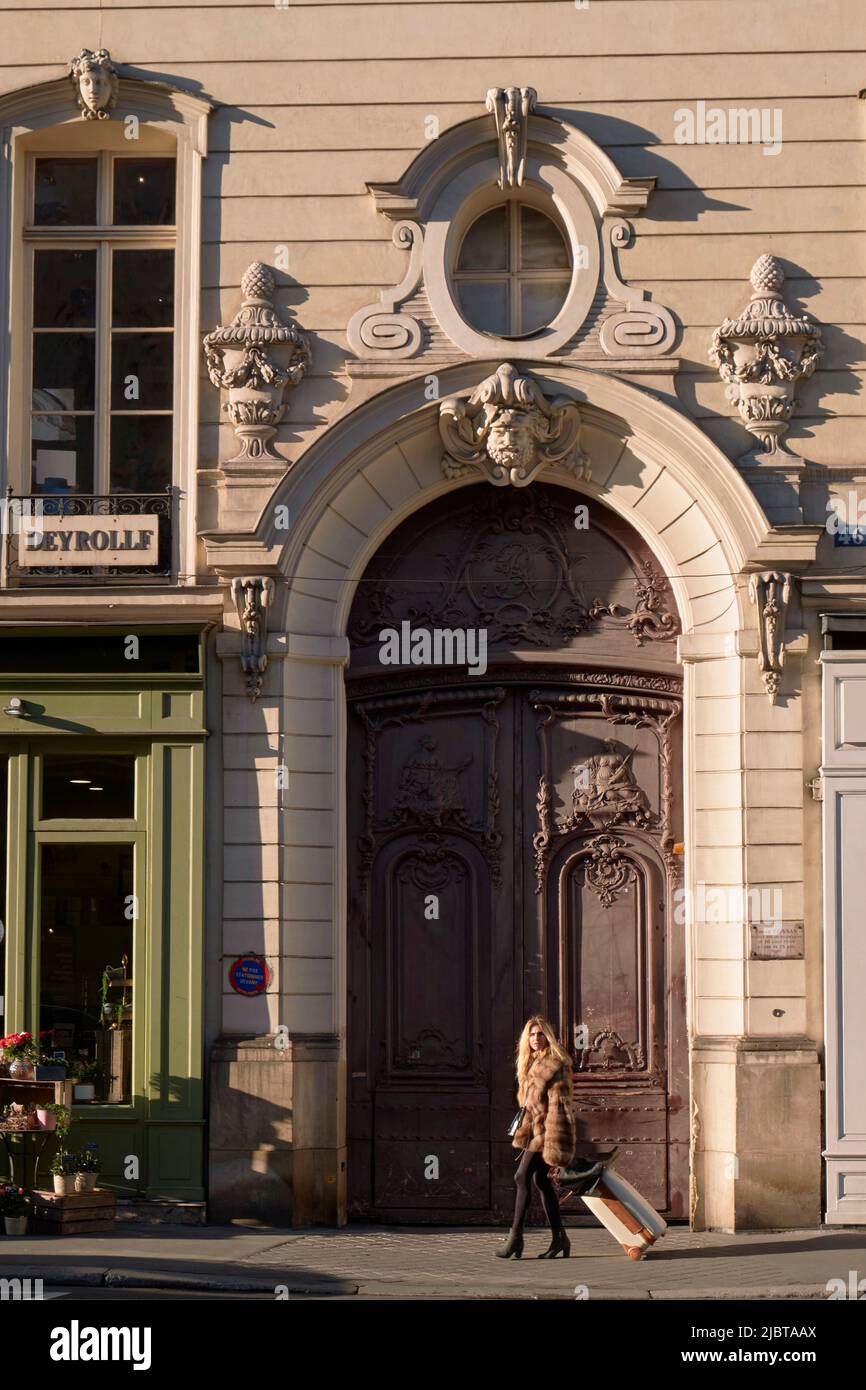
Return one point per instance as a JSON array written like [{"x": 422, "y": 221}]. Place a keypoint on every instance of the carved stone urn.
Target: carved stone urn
[
  {"x": 255, "y": 358},
  {"x": 763, "y": 355}
]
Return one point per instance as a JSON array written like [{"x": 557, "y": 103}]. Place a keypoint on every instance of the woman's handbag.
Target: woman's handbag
[
  {"x": 583, "y": 1175},
  {"x": 516, "y": 1122}
]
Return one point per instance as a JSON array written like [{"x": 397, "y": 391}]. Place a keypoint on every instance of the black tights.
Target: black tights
[{"x": 532, "y": 1165}]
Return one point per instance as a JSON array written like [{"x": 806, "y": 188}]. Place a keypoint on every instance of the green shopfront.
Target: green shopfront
[{"x": 102, "y": 742}]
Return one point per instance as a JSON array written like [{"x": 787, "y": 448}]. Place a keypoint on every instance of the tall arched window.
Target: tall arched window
[{"x": 513, "y": 271}]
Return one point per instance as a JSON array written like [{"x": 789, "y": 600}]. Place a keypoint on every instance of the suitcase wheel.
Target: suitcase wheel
[{"x": 635, "y": 1252}]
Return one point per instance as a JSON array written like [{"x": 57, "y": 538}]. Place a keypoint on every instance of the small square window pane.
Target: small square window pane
[
  {"x": 65, "y": 194},
  {"x": 142, "y": 289},
  {"x": 62, "y": 453},
  {"x": 63, "y": 371},
  {"x": 88, "y": 787},
  {"x": 540, "y": 302},
  {"x": 143, "y": 192},
  {"x": 485, "y": 245},
  {"x": 64, "y": 293},
  {"x": 484, "y": 304},
  {"x": 140, "y": 453},
  {"x": 541, "y": 243},
  {"x": 141, "y": 371}
]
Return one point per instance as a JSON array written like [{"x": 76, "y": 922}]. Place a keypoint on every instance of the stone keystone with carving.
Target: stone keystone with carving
[
  {"x": 255, "y": 358},
  {"x": 764, "y": 354},
  {"x": 509, "y": 431}
]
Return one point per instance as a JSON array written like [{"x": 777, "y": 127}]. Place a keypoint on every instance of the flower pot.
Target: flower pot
[
  {"x": 21, "y": 1070},
  {"x": 47, "y": 1118},
  {"x": 64, "y": 1184},
  {"x": 15, "y": 1225},
  {"x": 51, "y": 1071},
  {"x": 84, "y": 1090},
  {"x": 85, "y": 1182}
]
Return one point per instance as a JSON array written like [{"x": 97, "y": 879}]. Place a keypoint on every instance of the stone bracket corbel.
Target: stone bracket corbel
[
  {"x": 253, "y": 595},
  {"x": 770, "y": 591}
]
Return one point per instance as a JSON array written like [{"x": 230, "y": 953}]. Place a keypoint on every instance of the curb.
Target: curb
[{"x": 293, "y": 1282}]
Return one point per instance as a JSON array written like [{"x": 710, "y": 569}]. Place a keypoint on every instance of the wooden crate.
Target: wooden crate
[{"x": 76, "y": 1214}]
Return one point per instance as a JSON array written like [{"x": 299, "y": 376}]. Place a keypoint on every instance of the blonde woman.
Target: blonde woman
[{"x": 546, "y": 1132}]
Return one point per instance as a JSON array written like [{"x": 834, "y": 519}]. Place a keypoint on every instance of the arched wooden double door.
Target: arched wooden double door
[{"x": 512, "y": 841}]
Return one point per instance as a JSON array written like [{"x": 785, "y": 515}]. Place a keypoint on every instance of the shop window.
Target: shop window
[
  {"x": 513, "y": 271},
  {"x": 86, "y": 953},
  {"x": 101, "y": 230},
  {"x": 88, "y": 787}
]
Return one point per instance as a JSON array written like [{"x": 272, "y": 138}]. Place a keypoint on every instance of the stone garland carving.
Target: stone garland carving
[
  {"x": 96, "y": 82},
  {"x": 641, "y": 329},
  {"x": 429, "y": 796},
  {"x": 763, "y": 356},
  {"x": 382, "y": 328},
  {"x": 252, "y": 595},
  {"x": 255, "y": 358},
  {"x": 770, "y": 593},
  {"x": 508, "y": 431},
  {"x": 511, "y": 108},
  {"x": 613, "y": 797}
]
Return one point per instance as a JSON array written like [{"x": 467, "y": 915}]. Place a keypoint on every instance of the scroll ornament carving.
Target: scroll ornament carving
[
  {"x": 253, "y": 595},
  {"x": 383, "y": 328},
  {"x": 770, "y": 593},
  {"x": 641, "y": 328},
  {"x": 508, "y": 431},
  {"x": 608, "y": 870},
  {"x": 650, "y": 621},
  {"x": 96, "y": 81},
  {"x": 511, "y": 108},
  {"x": 764, "y": 354},
  {"x": 255, "y": 358}
]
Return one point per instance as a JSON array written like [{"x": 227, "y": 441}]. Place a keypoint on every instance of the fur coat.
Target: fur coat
[{"x": 548, "y": 1126}]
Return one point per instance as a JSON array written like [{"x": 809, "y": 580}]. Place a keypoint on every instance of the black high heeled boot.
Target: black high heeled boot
[
  {"x": 559, "y": 1245},
  {"x": 513, "y": 1245}
]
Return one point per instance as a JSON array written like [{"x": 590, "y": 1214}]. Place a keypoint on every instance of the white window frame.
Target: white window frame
[
  {"x": 46, "y": 119},
  {"x": 105, "y": 238}
]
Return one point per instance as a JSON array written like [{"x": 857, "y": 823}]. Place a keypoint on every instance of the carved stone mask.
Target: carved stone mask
[
  {"x": 512, "y": 439},
  {"x": 509, "y": 430},
  {"x": 95, "y": 79}
]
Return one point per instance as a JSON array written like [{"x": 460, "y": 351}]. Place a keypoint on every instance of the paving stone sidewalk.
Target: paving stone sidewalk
[{"x": 423, "y": 1263}]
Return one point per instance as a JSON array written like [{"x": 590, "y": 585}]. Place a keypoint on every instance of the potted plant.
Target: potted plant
[
  {"x": 21, "y": 1053},
  {"x": 87, "y": 1168},
  {"x": 85, "y": 1076},
  {"x": 51, "y": 1115},
  {"x": 63, "y": 1170},
  {"x": 15, "y": 1206},
  {"x": 49, "y": 1068}
]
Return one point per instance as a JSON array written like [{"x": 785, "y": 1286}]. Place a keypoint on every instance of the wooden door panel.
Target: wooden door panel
[{"x": 540, "y": 810}]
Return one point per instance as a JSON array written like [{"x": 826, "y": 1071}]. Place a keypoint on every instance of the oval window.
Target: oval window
[{"x": 513, "y": 271}]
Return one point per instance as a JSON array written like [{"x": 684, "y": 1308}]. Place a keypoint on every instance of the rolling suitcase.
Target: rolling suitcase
[{"x": 625, "y": 1213}]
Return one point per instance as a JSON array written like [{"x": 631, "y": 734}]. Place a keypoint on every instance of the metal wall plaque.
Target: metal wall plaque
[
  {"x": 776, "y": 941},
  {"x": 89, "y": 540}
]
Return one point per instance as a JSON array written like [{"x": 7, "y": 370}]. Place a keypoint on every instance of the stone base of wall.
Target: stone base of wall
[
  {"x": 756, "y": 1127},
  {"x": 136, "y": 1213},
  {"x": 277, "y": 1150}
]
